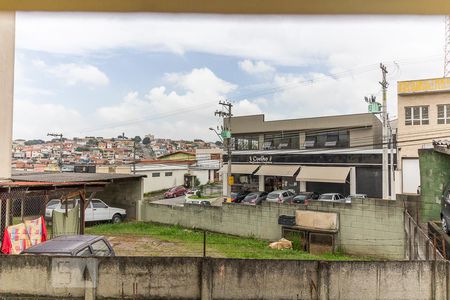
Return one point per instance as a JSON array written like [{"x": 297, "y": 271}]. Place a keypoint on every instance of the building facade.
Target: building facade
[
  {"x": 423, "y": 116},
  {"x": 325, "y": 154}
]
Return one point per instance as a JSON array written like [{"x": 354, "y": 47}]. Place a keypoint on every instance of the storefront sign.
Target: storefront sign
[{"x": 260, "y": 159}]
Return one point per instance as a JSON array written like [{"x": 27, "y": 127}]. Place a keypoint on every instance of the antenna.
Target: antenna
[{"x": 447, "y": 47}]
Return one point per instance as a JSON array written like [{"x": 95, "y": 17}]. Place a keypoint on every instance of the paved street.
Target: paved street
[{"x": 171, "y": 201}]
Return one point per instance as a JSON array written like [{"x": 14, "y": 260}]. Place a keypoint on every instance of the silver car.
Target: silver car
[
  {"x": 280, "y": 196},
  {"x": 333, "y": 197}
]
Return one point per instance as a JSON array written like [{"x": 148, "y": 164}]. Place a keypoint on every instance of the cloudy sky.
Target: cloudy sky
[{"x": 104, "y": 74}]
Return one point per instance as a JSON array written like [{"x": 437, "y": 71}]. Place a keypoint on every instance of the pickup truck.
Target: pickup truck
[{"x": 96, "y": 211}]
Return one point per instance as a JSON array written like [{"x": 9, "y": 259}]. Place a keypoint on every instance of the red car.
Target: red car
[{"x": 175, "y": 192}]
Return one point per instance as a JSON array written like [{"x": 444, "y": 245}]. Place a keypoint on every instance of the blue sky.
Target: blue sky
[{"x": 104, "y": 74}]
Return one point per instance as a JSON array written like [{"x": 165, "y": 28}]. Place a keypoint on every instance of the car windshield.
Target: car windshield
[
  {"x": 273, "y": 195},
  {"x": 326, "y": 197},
  {"x": 53, "y": 203},
  {"x": 300, "y": 197}
]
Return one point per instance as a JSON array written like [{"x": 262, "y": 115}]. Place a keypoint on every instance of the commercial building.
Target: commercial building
[
  {"x": 324, "y": 154},
  {"x": 423, "y": 116}
]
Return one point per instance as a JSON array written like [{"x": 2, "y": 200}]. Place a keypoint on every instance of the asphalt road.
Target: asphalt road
[{"x": 171, "y": 201}]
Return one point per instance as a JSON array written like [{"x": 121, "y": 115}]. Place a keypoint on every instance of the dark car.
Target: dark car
[
  {"x": 175, "y": 192},
  {"x": 73, "y": 245},
  {"x": 254, "y": 198},
  {"x": 445, "y": 210},
  {"x": 305, "y": 198},
  {"x": 240, "y": 196}
]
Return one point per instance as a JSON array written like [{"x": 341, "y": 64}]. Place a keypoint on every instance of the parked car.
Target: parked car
[
  {"x": 445, "y": 210},
  {"x": 176, "y": 191},
  {"x": 254, "y": 198},
  {"x": 233, "y": 197},
  {"x": 334, "y": 197},
  {"x": 96, "y": 211},
  {"x": 73, "y": 245},
  {"x": 198, "y": 202},
  {"x": 240, "y": 196},
  {"x": 305, "y": 198},
  {"x": 280, "y": 196},
  {"x": 356, "y": 196}
]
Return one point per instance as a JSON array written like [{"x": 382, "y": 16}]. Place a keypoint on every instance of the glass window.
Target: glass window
[
  {"x": 53, "y": 203},
  {"x": 282, "y": 140},
  {"x": 100, "y": 248},
  {"x": 156, "y": 174},
  {"x": 98, "y": 204},
  {"x": 336, "y": 138},
  {"x": 443, "y": 115},
  {"x": 416, "y": 115},
  {"x": 84, "y": 252},
  {"x": 245, "y": 142},
  {"x": 167, "y": 174}
]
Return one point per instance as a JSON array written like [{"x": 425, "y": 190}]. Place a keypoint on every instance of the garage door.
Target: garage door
[{"x": 410, "y": 175}]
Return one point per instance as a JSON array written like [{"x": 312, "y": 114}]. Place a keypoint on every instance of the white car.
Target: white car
[
  {"x": 333, "y": 197},
  {"x": 97, "y": 210}
]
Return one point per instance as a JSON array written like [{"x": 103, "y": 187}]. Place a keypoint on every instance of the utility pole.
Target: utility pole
[
  {"x": 391, "y": 150},
  {"x": 385, "y": 172},
  {"x": 134, "y": 156},
  {"x": 226, "y": 134},
  {"x": 60, "y": 136}
]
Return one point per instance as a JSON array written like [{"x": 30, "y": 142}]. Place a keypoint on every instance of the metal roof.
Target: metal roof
[{"x": 72, "y": 177}]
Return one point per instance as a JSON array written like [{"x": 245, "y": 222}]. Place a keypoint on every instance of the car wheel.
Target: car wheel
[
  {"x": 116, "y": 219},
  {"x": 444, "y": 225}
]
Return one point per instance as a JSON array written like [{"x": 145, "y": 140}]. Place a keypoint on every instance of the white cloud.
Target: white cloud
[
  {"x": 167, "y": 113},
  {"x": 257, "y": 67},
  {"x": 38, "y": 119},
  {"x": 73, "y": 74}
]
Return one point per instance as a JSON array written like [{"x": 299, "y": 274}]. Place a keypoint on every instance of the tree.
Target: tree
[
  {"x": 137, "y": 139},
  {"x": 146, "y": 140}
]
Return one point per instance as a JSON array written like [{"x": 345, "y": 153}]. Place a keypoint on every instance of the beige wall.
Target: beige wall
[
  {"x": 7, "y": 39},
  {"x": 152, "y": 184},
  {"x": 367, "y": 127},
  {"x": 426, "y": 133}
]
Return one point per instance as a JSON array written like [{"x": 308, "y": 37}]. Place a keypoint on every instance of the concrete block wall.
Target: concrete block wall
[
  {"x": 369, "y": 227},
  {"x": 44, "y": 277},
  {"x": 124, "y": 193}
]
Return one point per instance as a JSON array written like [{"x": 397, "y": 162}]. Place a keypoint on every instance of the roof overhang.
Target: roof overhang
[
  {"x": 277, "y": 170},
  {"x": 240, "y": 169},
  {"x": 323, "y": 174}
]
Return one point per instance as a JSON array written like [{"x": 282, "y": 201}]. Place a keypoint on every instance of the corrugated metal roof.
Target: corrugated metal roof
[{"x": 71, "y": 177}]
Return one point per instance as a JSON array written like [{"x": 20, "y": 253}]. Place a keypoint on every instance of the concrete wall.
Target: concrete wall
[
  {"x": 367, "y": 227},
  {"x": 433, "y": 130},
  {"x": 208, "y": 278},
  {"x": 152, "y": 184},
  {"x": 124, "y": 193},
  {"x": 434, "y": 177},
  {"x": 202, "y": 175},
  {"x": 7, "y": 46}
]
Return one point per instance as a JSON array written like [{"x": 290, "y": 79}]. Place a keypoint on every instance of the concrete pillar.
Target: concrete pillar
[
  {"x": 224, "y": 183},
  {"x": 301, "y": 140},
  {"x": 261, "y": 183},
  {"x": 352, "y": 181},
  {"x": 302, "y": 186},
  {"x": 261, "y": 142},
  {"x": 7, "y": 39}
]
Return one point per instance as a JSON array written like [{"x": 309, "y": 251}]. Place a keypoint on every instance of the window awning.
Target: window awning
[
  {"x": 323, "y": 174},
  {"x": 240, "y": 169},
  {"x": 277, "y": 170}
]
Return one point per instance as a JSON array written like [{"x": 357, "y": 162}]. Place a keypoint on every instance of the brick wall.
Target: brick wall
[{"x": 367, "y": 227}]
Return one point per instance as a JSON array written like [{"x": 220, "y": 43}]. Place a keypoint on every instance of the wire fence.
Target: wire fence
[
  {"x": 19, "y": 204},
  {"x": 421, "y": 245}
]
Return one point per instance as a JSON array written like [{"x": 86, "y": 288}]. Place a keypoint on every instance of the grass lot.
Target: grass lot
[{"x": 179, "y": 241}]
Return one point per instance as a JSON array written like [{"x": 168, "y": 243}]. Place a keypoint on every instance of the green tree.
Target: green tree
[
  {"x": 137, "y": 139},
  {"x": 146, "y": 140}
]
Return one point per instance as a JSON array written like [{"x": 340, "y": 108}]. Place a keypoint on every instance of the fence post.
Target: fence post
[
  {"x": 204, "y": 243},
  {"x": 434, "y": 247},
  {"x": 21, "y": 208},
  {"x": 8, "y": 212}
]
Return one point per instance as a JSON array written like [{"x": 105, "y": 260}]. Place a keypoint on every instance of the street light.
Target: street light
[{"x": 220, "y": 137}]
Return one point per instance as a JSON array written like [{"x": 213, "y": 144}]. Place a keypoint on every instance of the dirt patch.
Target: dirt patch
[{"x": 129, "y": 245}]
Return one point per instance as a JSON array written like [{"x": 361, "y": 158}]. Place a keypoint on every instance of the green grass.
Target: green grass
[
  {"x": 219, "y": 244},
  {"x": 195, "y": 197}
]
